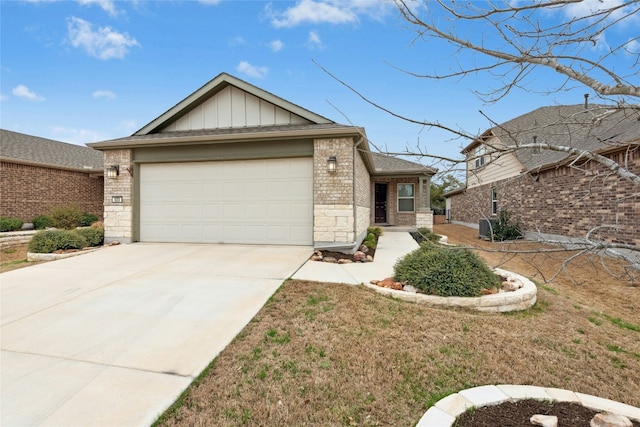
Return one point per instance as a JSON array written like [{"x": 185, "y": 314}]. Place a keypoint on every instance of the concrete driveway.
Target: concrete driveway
[{"x": 112, "y": 337}]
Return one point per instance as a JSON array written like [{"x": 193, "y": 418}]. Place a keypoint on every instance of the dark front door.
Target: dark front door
[{"x": 380, "y": 214}]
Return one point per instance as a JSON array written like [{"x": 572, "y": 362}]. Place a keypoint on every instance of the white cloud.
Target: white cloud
[
  {"x": 237, "y": 41},
  {"x": 77, "y": 136},
  {"x": 314, "y": 41},
  {"x": 106, "y": 94},
  {"x": 310, "y": 11},
  {"x": 251, "y": 70},
  {"x": 106, "y": 5},
  {"x": 105, "y": 43},
  {"x": 21, "y": 91},
  {"x": 276, "y": 46},
  {"x": 327, "y": 12},
  {"x": 632, "y": 47},
  {"x": 210, "y": 2},
  {"x": 585, "y": 8}
]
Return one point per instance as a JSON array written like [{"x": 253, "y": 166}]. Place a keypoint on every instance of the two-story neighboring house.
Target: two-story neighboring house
[{"x": 551, "y": 191}]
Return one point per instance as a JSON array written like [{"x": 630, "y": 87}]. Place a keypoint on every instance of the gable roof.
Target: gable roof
[
  {"x": 214, "y": 86},
  {"x": 33, "y": 150},
  {"x": 597, "y": 128},
  {"x": 389, "y": 165}
]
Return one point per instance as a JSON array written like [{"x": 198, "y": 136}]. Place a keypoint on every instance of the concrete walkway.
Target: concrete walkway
[
  {"x": 112, "y": 337},
  {"x": 392, "y": 244}
]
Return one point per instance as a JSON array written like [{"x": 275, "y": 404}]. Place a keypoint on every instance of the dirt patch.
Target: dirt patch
[
  {"x": 14, "y": 258},
  {"x": 517, "y": 414},
  {"x": 333, "y": 355}
]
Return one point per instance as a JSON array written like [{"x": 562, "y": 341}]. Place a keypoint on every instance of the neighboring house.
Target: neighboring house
[
  {"x": 553, "y": 192},
  {"x": 37, "y": 174},
  {"x": 232, "y": 163}
]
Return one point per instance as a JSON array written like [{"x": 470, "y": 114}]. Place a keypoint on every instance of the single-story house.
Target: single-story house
[
  {"x": 232, "y": 163},
  {"x": 555, "y": 192},
  {"x": 37, "y": 174}
]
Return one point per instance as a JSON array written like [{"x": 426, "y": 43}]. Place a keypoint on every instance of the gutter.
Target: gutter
[{"x": 134, "y": 142}]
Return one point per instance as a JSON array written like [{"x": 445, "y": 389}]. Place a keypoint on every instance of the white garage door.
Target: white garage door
[{"x": 248, "y": 201}]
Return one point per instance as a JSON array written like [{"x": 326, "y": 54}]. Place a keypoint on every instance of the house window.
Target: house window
[
  {"x": 406, "y": 198},
  {"x": 479, "y": 156},
  {"x": 494, "y": 201}
]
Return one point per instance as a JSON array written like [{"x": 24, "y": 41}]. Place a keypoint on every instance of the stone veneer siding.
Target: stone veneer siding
[
  {"x": 333, "y": 193},
  {"x": 118, "y": 217},
  {"x": 563, "y": 201},
  {"x": 27, "y": 191}
]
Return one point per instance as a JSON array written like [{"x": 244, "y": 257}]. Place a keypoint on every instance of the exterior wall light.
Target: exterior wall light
[
  {"x": 113, "y": 171},
  {"x": 331, "y": 164}
]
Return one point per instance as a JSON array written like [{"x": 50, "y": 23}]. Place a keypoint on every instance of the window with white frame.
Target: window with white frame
[
  {"x": 406, "y": 198},
  {"x": 494, "y": 201},
  {"x": 479, "y": 155}
]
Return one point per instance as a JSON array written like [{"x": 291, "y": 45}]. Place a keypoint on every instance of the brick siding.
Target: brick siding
[
  {"x": 563, "y": 201},
  {"x": 27, "y": 191}
]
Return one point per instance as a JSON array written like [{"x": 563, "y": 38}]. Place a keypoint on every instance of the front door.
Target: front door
[{"x": 380, "y": 214}]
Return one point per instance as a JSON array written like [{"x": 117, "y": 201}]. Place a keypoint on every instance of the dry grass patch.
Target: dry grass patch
[
  {"x": 324, "y": 354},
  {"x": 13, "y": 258}
]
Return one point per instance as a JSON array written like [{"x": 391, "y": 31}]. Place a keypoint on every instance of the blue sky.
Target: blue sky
[{"x": 89, "y": 70}]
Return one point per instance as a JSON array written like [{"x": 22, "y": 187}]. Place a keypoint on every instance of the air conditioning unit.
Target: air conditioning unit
[{"x": 484, "y": 228}]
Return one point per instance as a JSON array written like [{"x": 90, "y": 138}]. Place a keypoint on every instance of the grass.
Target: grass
[
  {"x": 372, "y": 360},
  {"x": 325, "y": 354}
]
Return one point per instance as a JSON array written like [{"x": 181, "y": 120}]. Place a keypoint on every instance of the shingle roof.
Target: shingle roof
[
  {"x": 389, "y": 164},
  {"x": 47, "y": 152},
  {"x": 595, "y": 128}
]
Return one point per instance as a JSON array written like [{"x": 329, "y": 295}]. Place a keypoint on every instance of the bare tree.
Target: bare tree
[{"x": 513, "y": 41}]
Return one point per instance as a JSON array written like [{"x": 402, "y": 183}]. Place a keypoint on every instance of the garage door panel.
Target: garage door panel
[{"x": 254, "y": 201}]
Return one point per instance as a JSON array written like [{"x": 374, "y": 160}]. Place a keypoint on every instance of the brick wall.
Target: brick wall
[
  {"x": 563, "y": 201},
  {"x": 27, "y": 191},
  {"x": 333, "y": 193},
  {"x": 118, "y": 217},
  {"x": 393, "y": 216},
  {"x": 363, "y": 196}
]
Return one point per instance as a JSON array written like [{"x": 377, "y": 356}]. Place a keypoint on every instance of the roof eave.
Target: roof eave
[
  {"x": 226, "y": 138},
  {"x": 90, "y": 171}
]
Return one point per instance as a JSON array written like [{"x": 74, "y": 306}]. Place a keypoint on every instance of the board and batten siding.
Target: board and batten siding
[{"x": 233, "y": 108}]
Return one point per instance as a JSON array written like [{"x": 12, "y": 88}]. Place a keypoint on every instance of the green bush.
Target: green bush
[
  {"x": 41, "y": 222},
  {"x": 66, "y": 217},
  {"x": 370, "y": 241},
  {"x": 428, "y": 234},
  {"x": 376, "y": 231},
  {"x": 504, "y": 229},
  {"x": 87, "y": 219},
  {"x": 445, "y": 271},
  {"x": 8, "y": 223},
  {"x": 45, "y": 242},
  {"x": 93, "y": 236}
]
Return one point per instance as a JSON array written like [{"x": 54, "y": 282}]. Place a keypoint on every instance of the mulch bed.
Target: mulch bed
[{"x": 518, "y": 414}]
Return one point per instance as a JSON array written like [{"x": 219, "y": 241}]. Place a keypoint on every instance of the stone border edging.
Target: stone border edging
[
  {"x": 32, "y": 256},
  {"x": 520, "y": 299},
  {"x": 446, "y": 410}
]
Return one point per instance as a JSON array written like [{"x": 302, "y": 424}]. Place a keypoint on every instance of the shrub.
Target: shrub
[
  {"x": 429, "y": 235},
  {"x": 8, "y": 223},
  {"x": 66, "y": 217},
  {"x": 376, "y": 231},
  {"x": 87, "y": 219},
  {"x": 41, "y": 222},
  {"x": 45, "y": 242},
  {"x": 370, "y": 241},
  {"x": 504, "y": 229},
  {"x": 445, "y": 271},
  {"x": 93, "y": 236}
]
